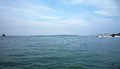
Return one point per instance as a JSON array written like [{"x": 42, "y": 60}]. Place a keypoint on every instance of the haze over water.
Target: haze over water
[{"x": 59, "y": 52}]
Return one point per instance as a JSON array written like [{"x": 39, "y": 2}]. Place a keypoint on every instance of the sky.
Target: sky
[{"x": 59, "y": 17}]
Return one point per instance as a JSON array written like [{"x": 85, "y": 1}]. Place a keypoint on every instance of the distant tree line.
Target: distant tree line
[
  {"x": 3, "y": 35},
  {"x": 113, "y": 35}
]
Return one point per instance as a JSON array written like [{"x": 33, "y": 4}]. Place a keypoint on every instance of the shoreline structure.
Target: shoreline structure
[{"x": 109, "y": 35}]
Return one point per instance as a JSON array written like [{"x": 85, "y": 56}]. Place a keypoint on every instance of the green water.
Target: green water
[{"x": 59, "y": 52}]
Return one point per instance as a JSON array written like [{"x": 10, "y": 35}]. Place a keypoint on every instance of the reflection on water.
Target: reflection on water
[{"x": 59, "y": 52}]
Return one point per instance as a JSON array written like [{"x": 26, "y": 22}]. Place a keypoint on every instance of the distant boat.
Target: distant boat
[{"x": 117, "y": 36}]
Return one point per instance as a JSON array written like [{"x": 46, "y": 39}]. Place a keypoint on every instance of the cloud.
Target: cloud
[
  {"x": 29, "y": 11},
  {"x": 106, "y": 7},
  {"x": 39, "y": 7},
  {"x": 47, "y": 17},
  {"x": 70, "y": 2},
  {"x": 18, "y": 26},
  {"x": 36, "y": 14},
  {"x": 103, "y": 7},
  {"x": 75, "y": 21},
  {"x": 99, "y": 3},
  {"x": 105, "y": 4},
  {"x": 17, "y": 22},
  {"x": 107, "y": 12},
  {"x": 8, "y": 8},
  {"x": 103, "y": 20},
  {"x": 76, "y": 16}
]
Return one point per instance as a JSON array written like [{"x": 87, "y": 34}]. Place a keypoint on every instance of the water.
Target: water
[{"x": 59, "y": 52}]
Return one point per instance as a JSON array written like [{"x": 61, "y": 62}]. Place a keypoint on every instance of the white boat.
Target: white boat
[{"x": 117, "y": 36}]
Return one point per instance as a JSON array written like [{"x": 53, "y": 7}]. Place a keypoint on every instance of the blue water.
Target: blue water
[{"x": 59, "y": 52}]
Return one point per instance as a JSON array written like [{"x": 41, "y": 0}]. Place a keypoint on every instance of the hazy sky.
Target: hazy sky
[{"x": 55, "y": 17}]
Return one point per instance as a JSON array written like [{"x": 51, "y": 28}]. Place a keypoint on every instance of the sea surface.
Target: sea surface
[{"x": 59, "y": 52}]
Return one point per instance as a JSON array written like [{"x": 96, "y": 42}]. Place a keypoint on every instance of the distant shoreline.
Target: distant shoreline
[
  {"x": 101, "y": 35},
  {"x": 45, "y": 35},
  {"x": 109, "y": 35}
]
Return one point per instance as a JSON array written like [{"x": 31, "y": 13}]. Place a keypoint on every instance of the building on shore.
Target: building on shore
[
  {"x": 105, "y": 35},
  {"x": 109, "y": 35},
  {"x": 116, "y": 35}
]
